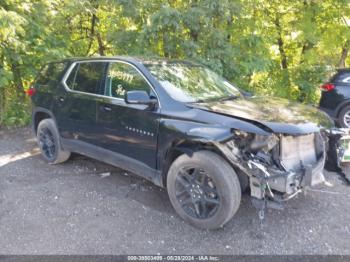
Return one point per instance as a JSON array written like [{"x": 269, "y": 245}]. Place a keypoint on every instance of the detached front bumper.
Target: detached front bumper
[
  {"x": 284, "y": 183},
  {"x": 291, "y": 182}
]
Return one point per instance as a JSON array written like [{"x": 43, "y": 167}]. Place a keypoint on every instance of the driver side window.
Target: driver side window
[{"x": 122, "y": 78}]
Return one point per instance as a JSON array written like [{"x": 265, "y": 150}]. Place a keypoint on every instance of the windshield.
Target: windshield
[{"x": 192, "y": 83}]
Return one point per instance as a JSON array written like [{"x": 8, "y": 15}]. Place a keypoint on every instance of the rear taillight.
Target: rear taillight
[
  {"x": 327, "y": 87},
  {"x": 31, "y": 91}
]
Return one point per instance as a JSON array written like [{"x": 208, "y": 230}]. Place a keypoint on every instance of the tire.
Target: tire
[
  {"x": 243, "y": 180},
  {"x": 342, "y": 114},
  {"x": 49, "y": 142},
  {"x": 217, "y": 175}
]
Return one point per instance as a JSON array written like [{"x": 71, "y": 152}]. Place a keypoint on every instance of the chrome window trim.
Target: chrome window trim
[
  {"x": 69, "y": 71},
  {"x": 346, "y": 80}
]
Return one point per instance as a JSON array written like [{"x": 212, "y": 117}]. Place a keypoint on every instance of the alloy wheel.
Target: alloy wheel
[
  {"x": 346, "y": 119},
  {"x": 197, "y": 193},
  {"x": 47, "y": 143}
]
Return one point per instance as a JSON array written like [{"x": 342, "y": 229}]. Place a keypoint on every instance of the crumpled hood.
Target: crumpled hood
[{"x": 279, "y": 115}]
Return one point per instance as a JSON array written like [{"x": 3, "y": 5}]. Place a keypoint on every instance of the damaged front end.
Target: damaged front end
[{"x": 280, "y": 166}]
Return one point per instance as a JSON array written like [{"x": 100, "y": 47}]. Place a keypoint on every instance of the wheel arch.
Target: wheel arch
[
  {"x": 40, "y": 114},
  {"x": 188, "y": 147},
  {"x": 341, "y": 107}
]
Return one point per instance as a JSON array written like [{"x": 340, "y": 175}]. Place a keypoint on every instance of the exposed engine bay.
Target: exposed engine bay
[{"x": 280, "y": 166}]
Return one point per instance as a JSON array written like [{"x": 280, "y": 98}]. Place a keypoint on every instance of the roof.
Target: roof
[
  {"x": 124, "y": 58},
  {"x": 343, "y": 69},
  {"x": 132, "y": 59}
]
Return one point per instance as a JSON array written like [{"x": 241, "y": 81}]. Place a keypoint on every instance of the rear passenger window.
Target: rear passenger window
[
  {"x": 50, "y": 74},
  {"x": 87, "y": 77}
]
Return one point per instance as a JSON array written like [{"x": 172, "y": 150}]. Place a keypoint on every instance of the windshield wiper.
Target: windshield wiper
[{"x": 230, "y": 97}]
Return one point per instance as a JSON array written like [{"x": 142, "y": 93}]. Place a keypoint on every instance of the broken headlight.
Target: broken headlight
[
  {"x": 264, "y": 143},
  {"x": 254, "y": 143},
  {"x": 252, "y": 146}
]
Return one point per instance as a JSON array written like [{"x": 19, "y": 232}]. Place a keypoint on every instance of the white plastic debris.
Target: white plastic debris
[{"x": 103, "y": 175}]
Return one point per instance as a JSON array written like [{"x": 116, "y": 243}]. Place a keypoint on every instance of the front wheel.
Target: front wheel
[{"x": 204, "y": 189}]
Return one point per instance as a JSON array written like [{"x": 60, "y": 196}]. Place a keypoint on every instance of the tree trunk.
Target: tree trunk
[
  {"x": 229, "y": 25},
  {"x": 17, "y": 80},
  {"x": 344, "y": 55},
  {"x": 101, "y": 46},
  {"x": 284, "y": 63},
  {"x": 92, "y": 33},
  {"x": 194, "y": 35},
  {"x": 308, "y": 45},
  {"x": 165, "y": 43}
]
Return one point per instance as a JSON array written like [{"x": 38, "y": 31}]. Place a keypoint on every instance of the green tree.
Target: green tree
[{"x": 283, "y": 48}]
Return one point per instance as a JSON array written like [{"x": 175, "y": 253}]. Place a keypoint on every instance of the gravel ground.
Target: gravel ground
[{"x": 86, "y": 207}]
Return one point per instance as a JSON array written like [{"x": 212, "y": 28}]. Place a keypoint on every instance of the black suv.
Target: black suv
[
  {"x": 183, "y": 127},
  {"x": 335, "y": 99}
]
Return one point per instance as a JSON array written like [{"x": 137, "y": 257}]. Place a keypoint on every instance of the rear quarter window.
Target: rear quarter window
[
  {"x": 50, "y": 74},
  {"x": 341, "y": 77}
]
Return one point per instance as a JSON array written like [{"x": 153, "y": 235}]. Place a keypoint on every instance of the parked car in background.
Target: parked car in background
[
  {"x": 183, "y": 127},
  {"x": 335, "y": 98}
]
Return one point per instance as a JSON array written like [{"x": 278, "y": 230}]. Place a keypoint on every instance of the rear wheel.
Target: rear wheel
[
  {"x": 49, "y": 143},
  {"x": 204, "y": 189},
  {"x": 344, "y": 117}
]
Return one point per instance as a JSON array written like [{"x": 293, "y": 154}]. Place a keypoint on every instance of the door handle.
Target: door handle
[{"x": 106, "y": 108}]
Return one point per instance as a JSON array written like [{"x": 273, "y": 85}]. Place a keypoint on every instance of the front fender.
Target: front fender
[{"x": 173, "y": 132}]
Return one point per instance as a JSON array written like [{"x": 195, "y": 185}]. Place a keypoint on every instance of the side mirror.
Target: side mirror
[{"x": 139, "y": 97}]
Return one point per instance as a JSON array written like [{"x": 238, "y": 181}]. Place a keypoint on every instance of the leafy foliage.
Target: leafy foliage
[{"x": 283, "y": 48}]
